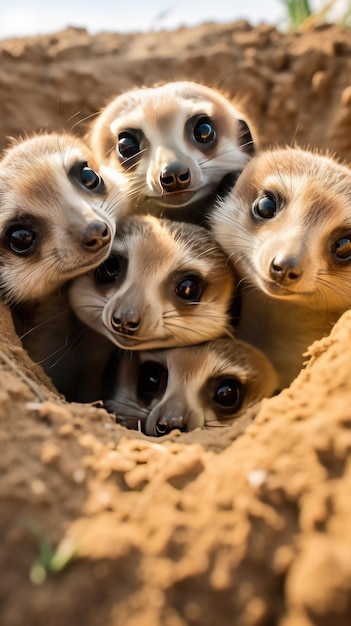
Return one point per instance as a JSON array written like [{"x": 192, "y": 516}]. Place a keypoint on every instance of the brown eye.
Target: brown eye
[
  {"x": 152, "y": 378},
  {"x": 128, "y": 144},
  {"x": 228, "y": 394},
  {"x": 342, "y": 249},
  {"x": 190, "y": 289},
  {"x": 265, "y": 207},
  {"x": 20, "y": 240},
  {"x": 204, "y": 131}
]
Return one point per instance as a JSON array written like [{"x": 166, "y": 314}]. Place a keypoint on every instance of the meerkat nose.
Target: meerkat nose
[{"x": 96, "y": 236}]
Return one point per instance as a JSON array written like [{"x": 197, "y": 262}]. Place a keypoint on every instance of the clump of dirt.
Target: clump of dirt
[{"x": 245, "y": 525}]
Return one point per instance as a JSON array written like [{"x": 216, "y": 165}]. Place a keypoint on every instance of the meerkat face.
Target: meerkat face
[
  {"x": 287, "y": 227},
  {"x": 208, "y": 385},
  {"x": 164, "y": 284},
  {"x": 57, "y": 215},
  {"x": 175, "y": 143}
]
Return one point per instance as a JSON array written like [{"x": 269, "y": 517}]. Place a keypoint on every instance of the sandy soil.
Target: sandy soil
[{"x": 101, "y": 525}]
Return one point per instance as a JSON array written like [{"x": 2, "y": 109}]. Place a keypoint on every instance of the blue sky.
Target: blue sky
[{"x": 24, "y": 17}]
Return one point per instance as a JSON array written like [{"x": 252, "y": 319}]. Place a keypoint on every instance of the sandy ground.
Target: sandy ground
[{"x": 101, "y": 525}]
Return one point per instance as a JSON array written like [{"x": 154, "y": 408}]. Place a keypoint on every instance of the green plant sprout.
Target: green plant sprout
[
  {"x": 49, "y": 560},
  {"x": 300, "y": 13}
]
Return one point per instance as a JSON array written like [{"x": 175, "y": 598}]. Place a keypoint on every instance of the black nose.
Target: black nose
[
  {"x": 96, "y": 235},
  {"x": 125, "y": 323},
  {"x": 175, "y": 177},
  {"x": 169, "y": 422},
  {"x": 285, "y": 270}
]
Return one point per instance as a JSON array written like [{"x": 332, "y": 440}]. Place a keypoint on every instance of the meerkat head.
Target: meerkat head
[
  {"x": 164, "y": 284},
  {"x": 207, "y": 385},
  {"x": 57, "y": 214},
  {"x": 177, "y": 143},
  {"x": 287, "y": 227}
]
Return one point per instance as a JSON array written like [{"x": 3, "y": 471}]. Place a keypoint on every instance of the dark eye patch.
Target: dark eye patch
[
  {"x": 228, "y": 394},
  {"x": 201, "y": 131},
  {"x": 341, "y": 249},
  {"x": 204, "y": 130},
  {"x": 128, "y": 144},
  {"x": 265, "y": 207},
  {"x": 82, "y": 174},
  {"x": 113, "y": 268},
  {"x": 224, "y": 394},
  {"x": 152, "y": 379},
  {"x": 20, "y": 240},
  {"x": 190, "y": 289},
  {"x": 23, "y": 235}
]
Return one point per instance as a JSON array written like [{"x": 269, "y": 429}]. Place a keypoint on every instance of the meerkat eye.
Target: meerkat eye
[
  {"x": 128, "y": 144},
  {"x": 190, "y": 289},
  {"x": 204, "y": 130},
  {"x": 110, "y": 269},
  {"x": 89, "y": 178},
  {"x": 228, "y": 394},
  {"x": 86, "y": 177},
  {"x": 342, "y": 249},
  {"x": 265, "y": 207},
  {"x": 152, "y": 378},
  {"x": 20, "y": 240}
]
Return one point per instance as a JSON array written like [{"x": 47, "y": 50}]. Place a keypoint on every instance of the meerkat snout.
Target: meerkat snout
[
  {"x": 97, "y": 235},
  {"x": 125, "y": 321},
  {"x": 175, "y": 176},
  {"x": 285, "y": 270},
  {"x": 173, "y": 418}
]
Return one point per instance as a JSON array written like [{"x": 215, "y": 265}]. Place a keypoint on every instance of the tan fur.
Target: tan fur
[
  {"x": 158, "y": 255},
  {"x": 189, "y": 379},
  {"x": 163, "y": 118},
  {"x": 38, "y": 192},
  {"x": 294, "y": 287}
]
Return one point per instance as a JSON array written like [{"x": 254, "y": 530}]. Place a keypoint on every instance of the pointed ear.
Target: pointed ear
[{"x": 246, "y": 141}]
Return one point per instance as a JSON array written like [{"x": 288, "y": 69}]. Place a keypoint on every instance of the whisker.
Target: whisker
[
  {"x": 66, "y": 349},
  {"x": 95, "y": 302},
  {"x": 83, "y": 119},
  {"x": 44, "y": 322},
  {"x": 181, "y": 329},
  {"x": 217, "y": 156},
  {"x": 132, "y": 405},
  {"x": 337, "y": 290}
]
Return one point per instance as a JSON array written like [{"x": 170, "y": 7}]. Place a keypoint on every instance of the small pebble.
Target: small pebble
[{"x": 256, "y": 478}]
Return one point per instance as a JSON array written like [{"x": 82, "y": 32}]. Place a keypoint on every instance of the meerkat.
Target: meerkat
[
  {"x": 207, "y": 385},
  {"x": 57, "y": 217},
  {"x": 57, "y": 220},
  {"x": 165, "y": 284},
  {"x": 286, "y": 227},
  {"x": 179, "y": 145}
]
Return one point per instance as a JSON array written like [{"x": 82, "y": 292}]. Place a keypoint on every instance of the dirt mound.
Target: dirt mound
[{"x": 106, "y": 526}]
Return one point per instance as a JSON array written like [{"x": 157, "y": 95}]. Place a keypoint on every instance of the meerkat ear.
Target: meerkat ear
[{"x": 246, "y": 141}]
